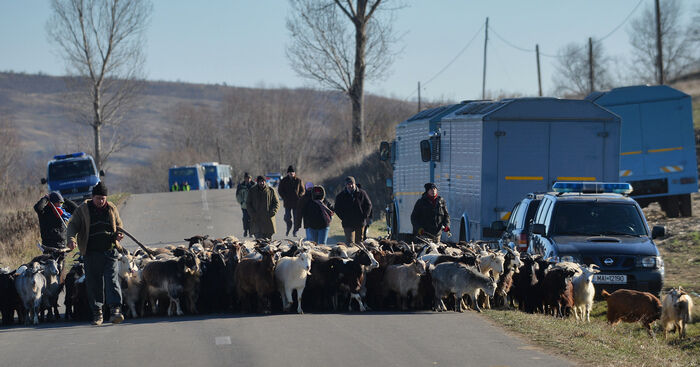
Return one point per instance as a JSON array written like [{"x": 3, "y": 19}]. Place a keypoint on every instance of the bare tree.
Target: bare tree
[
  {"x": 572, "y": 70},
  {"x": 9, "y": 152},
  {"x": 676, "y": 39},
  {"x": 102, "y": 42},
  {"x": 339, "y": 44}
]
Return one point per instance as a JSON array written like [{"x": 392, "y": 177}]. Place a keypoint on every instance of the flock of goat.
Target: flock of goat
[{"x": 226, "y": 275}]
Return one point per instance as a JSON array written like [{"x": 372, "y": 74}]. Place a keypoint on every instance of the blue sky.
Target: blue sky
[{"x": 242, "y": 42}]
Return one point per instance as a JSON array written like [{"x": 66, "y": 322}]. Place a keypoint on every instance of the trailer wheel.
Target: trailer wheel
[
  {"x": 462, "y": 231},
  {"x": 686, "y": 205},
  {"x": 669, "y": 204},
  {"x": 394, "y": 220}
]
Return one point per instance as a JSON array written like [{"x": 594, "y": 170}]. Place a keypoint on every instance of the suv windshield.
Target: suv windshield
[
  {"x": 597, "y": 218},
  {"x": 67, "y": 170}
]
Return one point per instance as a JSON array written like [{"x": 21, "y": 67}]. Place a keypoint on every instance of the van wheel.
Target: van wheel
[
  {"x": 686, "y": 205},
  {"x": 670, "y": 205},
  {"x": 463, "y": 231}
]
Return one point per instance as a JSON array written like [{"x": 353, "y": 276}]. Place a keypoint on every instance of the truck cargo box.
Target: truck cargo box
[
  {"x": 657, "y": 148},
  {"x": 485, "y": 156}
]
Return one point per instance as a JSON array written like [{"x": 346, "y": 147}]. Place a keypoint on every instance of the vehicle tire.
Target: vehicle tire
[
  {"x": 686, "y": 205},
  {"x": 394, "y": 220},
  {"x": 670, "y": 206},
  {"x": 462, "y": 231}
]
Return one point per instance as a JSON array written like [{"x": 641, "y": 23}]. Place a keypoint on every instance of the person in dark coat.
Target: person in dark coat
[
  {"x": 291, "y": 189},
  {"x": 353, "y": 207},
  {"x": 430, "y": 215},
  {"x": 54, "y": 213},
  {"x": 262, "y": 205},
  {"x": 241, "y": 197},
  {"x": 316, "y": 213}
]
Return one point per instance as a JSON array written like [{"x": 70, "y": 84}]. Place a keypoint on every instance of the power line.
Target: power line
[
  {"x": 451, "y": 61},
  {"x": 580, "y": 48}
]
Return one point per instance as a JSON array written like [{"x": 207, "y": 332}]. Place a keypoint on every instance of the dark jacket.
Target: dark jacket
[
  {"x": 242, "y": 192},
  {"x": 428, "y": 216},
  {"x": 290, "y": 190},
  {"x": 354, "y": 208},
  {"x": 262, "y": 205},
  {"x": 312, "y": 211},
  {"x": 52, "y": 228}
]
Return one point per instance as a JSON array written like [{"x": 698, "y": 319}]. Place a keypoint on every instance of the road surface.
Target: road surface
[{"x": 354, "y": 339}]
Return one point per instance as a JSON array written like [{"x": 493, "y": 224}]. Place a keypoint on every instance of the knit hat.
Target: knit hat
[
  {"x": 308, "y": 185},
  {"x": 100, "y": 189},
  {"x": 260, "y": 178},
  {"x": 350, "y": 179},
  {"x": 290, "y": 169},
  {"x": 429, "y": 186},
  {"x": 246, "y": 175},
  {"x": 55, "y": 197}
]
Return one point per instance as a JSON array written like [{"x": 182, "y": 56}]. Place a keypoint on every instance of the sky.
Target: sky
[{"x": 242, "y": 43}]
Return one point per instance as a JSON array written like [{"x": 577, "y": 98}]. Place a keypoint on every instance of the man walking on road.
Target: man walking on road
[
  {"x": 262, "y": 205},
  {"x": 94, "y": 226},
  {"x": 242, "y": 196},
  {"x": 353, "y": 207},
  {"x": 430, "y": 215},
  {"x": 291, "y": 189}
]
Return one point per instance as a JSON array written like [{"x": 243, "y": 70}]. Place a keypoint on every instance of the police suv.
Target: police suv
[{"x": 596, "y": 223}]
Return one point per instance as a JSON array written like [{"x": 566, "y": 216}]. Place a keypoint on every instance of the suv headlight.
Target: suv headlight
[
  {"x": 650, "y": 262},
  {"x": 569, "y": 258}
]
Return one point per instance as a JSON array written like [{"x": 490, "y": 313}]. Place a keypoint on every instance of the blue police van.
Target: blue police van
[
  {"x": 217, "y": 176},
  {"x": 657, "y": 144},
  {"x": 73, "y": 175},
  {"x": 192, "y": 175}
]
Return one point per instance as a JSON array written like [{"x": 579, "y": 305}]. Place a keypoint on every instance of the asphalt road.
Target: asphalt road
[{"x": 357, "y": 339}]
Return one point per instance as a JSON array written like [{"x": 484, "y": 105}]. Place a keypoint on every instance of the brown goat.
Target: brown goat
[
  {"x": 632, "y": 306},
  {"x": 256, "y": 278}
]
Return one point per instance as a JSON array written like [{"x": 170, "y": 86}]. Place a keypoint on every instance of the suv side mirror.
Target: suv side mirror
[
  {"x": 384, "y": 151},
  {"x": 425, "y": 150},
  {"x": 43, "y": 181},
  {"x": 658, "y": 232},
  {"x": 498, "y": 225},
  {"x": 102, "y": 173},
  {"x": 539, "y": 229}
]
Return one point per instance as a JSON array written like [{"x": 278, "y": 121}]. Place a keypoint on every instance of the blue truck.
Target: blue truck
[
  {"x": 73, "y": 175},
  {"x": 217, "y": 176},
  {"x": 657, "y": 148},
  {"x": 484, "y": 156},
  {"x": 192, "y": 175}
]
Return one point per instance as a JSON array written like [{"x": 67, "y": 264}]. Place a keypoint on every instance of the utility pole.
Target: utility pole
[
  {"x": 418, "y": 96},
  {"x": 486, "y": 41},
  {"x": 539, "y": 75},
  {"x": 590, "y": 65},
  {"x": 659, "y": 49}
]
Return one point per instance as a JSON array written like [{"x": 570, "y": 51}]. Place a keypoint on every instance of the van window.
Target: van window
[
  {"x": 530, "y": 215},
  {"x": 542, "y": 211},
  {"x": 512, "y": 221}
]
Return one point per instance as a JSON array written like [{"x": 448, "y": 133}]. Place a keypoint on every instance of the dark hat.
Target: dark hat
[
  {"x": 260, "y": 178},
  {"x": 100, "y": 189},
  {"x": 429, "y": 186},
  {"x": 246, "y": 175},
  {"x": 290, "y": 169},
  {"x": 350, "y": 179},
  {"x": 55, "y": 197}
]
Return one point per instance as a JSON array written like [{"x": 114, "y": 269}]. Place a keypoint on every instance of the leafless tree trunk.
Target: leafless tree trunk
[
  {"x": 9, "y": 151},
  {"x": 678, "y": 51},
  {"x": 572, "y": 70},
  {"x": 323, "y": 48},
  {"x": 101, "y": 42}
]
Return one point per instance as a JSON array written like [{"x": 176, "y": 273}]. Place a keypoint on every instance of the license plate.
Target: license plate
[{"x": 610, "y": 279}]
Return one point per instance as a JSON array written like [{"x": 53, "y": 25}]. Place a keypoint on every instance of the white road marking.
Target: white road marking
[
  {"x": 222, "y": 340},
  {"x": 205, "y": 204}
]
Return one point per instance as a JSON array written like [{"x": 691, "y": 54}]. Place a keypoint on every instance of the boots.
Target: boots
[
  {"x": 117, "y": 316},
  {"x": 97, "y": 318}
]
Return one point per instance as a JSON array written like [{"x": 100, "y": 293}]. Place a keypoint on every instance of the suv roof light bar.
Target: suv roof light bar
[
  {"x": 66, "y": 156},
  {"x": 593, "y": 187}
]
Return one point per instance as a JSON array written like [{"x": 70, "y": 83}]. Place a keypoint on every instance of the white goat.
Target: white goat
[
  {"x": 130, "y": 276},
  {"x": 584, "y": 291},
  {"x": 30, "y": 285},
  {"x": 491, "y": 261},
  {"x": 676, "y": 311},
  {"x": 291, "y": 273}
]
